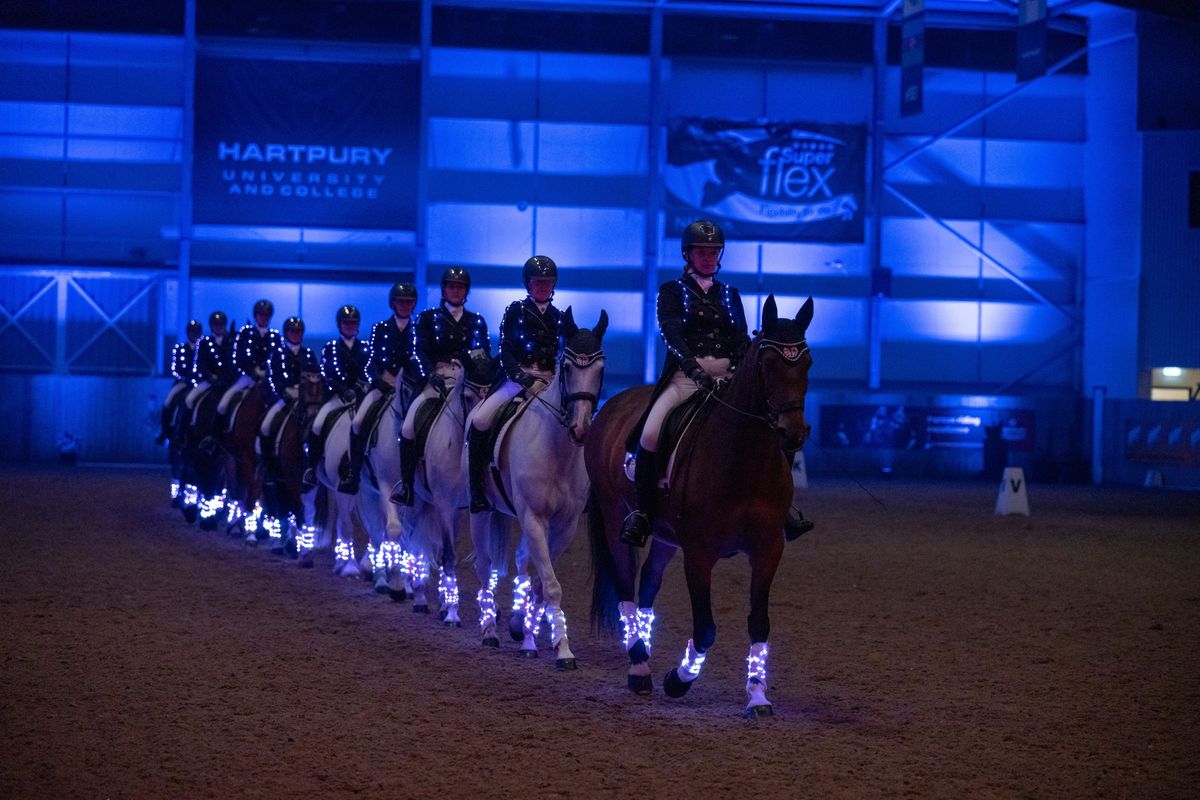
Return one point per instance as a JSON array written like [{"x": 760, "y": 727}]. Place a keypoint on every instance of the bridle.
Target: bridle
[
  {"x": 570, "y": 359},
  {"x": 792, "y": 352}
]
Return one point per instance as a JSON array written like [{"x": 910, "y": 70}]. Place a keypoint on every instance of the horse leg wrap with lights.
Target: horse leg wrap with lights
[
  {"x": 564, "y": 658},
  {"x": 531, "y": 622},
  {"x": 756, "y": 679},
  {"x": 677, "y": 682},
  {"x": 174, "y": 489},
  {"x": 516, "y": 627},
  {"x": 417, "y": 566},
  {"x": 448, "y": 592}
]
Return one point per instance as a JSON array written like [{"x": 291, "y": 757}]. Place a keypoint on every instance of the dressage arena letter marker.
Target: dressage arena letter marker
[{"x": 1013, "y": 498}]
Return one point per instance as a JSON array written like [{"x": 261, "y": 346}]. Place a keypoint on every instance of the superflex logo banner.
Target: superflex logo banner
[
  {"x": 793, "y": 181},
  {"x": 306, "y": 144}
]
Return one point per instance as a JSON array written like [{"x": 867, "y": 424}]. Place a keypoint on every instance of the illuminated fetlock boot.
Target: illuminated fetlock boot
[
  {"x": 532, "y": 622},
  {"x": 486, "y": 597},
  {"x": 417, "y": 573},
  {"x": 637, "y": 624},
  {"x": 516, "y": 621},
  {"x": 448, "y": 596},
  {"x": 756, "y": 681},
  {"x": 306, "y": 543},
  {"x": 563, "y": 657},
  {"x": 393, "y": 567},
  {"x": 679, "y": 680},
  {"x": 344, "y": 562}
]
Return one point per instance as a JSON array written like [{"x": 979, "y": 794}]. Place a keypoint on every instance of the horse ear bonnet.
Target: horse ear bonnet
[{"x": 770, "y": 316}]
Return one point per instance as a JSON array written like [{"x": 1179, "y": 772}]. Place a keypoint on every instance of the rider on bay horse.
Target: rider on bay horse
[
  {"x": 251, "y": 351},
  {"x": 344, "y": 366},
  {"x": 183, "y": 356},
  {"x": 530, "y": 340},
  {"x": 285, "y": 369},
  {"x": 446, "y": 337},
  {"x": 391, "y": 355},
  {"x": 214, "y": 360}
]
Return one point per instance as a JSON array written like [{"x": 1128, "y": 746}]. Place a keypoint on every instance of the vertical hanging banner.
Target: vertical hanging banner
[
  {"x": 793, "y": 181},
  {"x": 912, "y": 58},
  {"x": 1031, "y": 39},
  {"x": 306, "y": 143}
]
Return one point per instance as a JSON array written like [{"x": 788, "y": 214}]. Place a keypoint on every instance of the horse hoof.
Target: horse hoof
[
  {"x": 208, "y": 524},
  {"x": 673, "y": 687},
  {"x": 491, "y": 641},
  {"x": 528, "y": 653},
  {"x": 442, "y": 614},
  {"x": 451, "y": 623},
  {"x": 190, "y": 513},
  {"x": 382, "y": 589},
  {"x": 565, "y": 664},
  {"x": 397, "y": 595},
  {"x": 641, "y": 685},
  {"x": 420, "y": 609},
  {"x": 306, "y": 563},
  {"x": 759, "y": 712}
]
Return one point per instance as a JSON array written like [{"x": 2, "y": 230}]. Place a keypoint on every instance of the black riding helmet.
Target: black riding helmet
[
  {"x": 539, "y": 267},
  {"x": 194, "y": 329},
  {"x": 264, "y": 307},
  {"x": 348, "y": 314},
  {"x": 402, "y": 291},
  {"x": 702, "y": 233},
  {"x": 456, "y": 275},
  {"x": 293, "y": 324},
  {"x": 217, "y": 318}
]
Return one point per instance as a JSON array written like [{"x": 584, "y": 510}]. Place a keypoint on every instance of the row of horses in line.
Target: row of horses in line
[{"x": 555, "y": 459}]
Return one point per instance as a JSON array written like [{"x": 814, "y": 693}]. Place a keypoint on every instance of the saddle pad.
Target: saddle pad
[
  {"x": 371, "y": 433},
  {"x": 426, "y": 414},
  {"x": 330, "y": 420},
  {"x": 674, "y": 426},
  {"x": 505, "y": 417}
]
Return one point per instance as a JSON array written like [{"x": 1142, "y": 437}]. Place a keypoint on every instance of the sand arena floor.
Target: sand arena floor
[{"x": 923, "y": 649}]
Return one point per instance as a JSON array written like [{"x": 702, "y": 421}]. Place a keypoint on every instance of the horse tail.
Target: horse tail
[{"x": 605, "y": 617}]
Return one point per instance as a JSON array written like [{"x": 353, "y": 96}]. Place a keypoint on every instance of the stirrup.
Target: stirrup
[
  {"x": 402, "y": 494},
  {"x": 636, "y": 529},
  {"x": 795, "y": 527},
  {"x": 309, "y": 478}
]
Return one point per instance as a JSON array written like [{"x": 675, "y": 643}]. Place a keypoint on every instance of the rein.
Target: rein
[
  {"x": 565, "y": 399},
  {"x": 791, "y": 352}
]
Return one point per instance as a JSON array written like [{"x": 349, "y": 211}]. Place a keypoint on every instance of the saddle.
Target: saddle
[
  {"x": 674, "y": 426},
  {"x": 508, "y": 414},
  {"x": 426, "y": 414}
]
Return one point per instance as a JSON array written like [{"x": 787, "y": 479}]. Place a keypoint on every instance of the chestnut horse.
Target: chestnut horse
[{"x": 729, "y": 492}]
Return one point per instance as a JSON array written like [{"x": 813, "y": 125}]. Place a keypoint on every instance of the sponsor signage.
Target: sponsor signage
[
  {"x": 306, "y": 144},
  {"x": 902, "y": 427},
  {"x": 794, "y": 181}
]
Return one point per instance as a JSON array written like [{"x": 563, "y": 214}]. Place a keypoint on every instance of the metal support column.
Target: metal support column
[
  {"x": 875, "y": 202},
  {"x": 187, "y": 155},
  {"x": 421, "y": 278},
  {"x": 654, "y": 199}
]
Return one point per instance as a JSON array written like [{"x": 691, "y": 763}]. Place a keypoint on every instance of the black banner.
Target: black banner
[
  {"x": 900, "y": 427},
  {"x": 306, "y": 143},
  {"x": 794, "y": 181}
]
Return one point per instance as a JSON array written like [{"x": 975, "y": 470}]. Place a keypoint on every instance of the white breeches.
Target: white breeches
[
  {"x": 483, "y": 416},
  {"x": 240, "y": 385},
  {"x": 173, "y": 394},
  {"x": 269, "y": 419},
  {"x": 679, "y": 389},
  {"x": 194, "y": 395},
  {"x": 331, "y": 405},
  {"x": 364, "y": 409},
  {"x": 450, "y": 371}
]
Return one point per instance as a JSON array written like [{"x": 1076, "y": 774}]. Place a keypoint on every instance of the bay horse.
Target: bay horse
[
  {"x": 290, "y": 511},
  {"x": 729, "y": 492},
  {"x": 540, "y": 464},
  {"x": 440, "y": 488},
  {"x": 242, "y": 478}
]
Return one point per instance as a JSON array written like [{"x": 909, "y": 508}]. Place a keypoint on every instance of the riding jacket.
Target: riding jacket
[
  {"x": 214, "y": 361},
  {"x": 183, "y": 356},
  {"x": 391, "y": 350},
  {"x": 529, "y": 337},
  {"x": 252, "y": 349},
  {"x": 344, "y": 366},
  {"x": 286, "y": 366},
  {"x": 440, "y": 338},
  {"x": 695, "y": 323}
]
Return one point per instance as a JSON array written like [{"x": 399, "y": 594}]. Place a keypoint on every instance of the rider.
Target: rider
[
  {"x": 183, "y": 356},
  {"x": 391, "y": 353},
  {"x": 446, "y": 336},
  {"x": 530, "y": 337},
  {"x": 214, "y": 359},
  {"x": 252, "y": 350},
  {"x": 285, "y": 369},
  {"x": 344, "y": 365},
  {"x": 703, "y": 324}
]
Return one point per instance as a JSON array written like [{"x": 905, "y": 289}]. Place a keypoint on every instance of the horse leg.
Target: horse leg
[
  {"x": 488, "y": 577},
  {"x": 418, "y": 570},
  {"x": 448, "y": 583},
  {"x": 538, "y": 538},
  {"x": 522, "y": 587},
  {"x": 764, "y": 560},
  {"x": 638, "y": 620},
  {"x": 306, "y": 538},
  {"x": 698, "y": 570}
]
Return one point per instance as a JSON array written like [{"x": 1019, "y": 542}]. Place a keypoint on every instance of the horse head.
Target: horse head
[
  {"x": 782, "y": 361},
  {"x": 581, "y": 373}
]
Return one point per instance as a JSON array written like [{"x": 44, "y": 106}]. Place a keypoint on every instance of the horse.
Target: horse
[
  {"x": 543, "y": 484},
  {"x": 202, "y": 471},
  {"x": 242, "y": 479},
  {"x": 344, "y": 530},
  {"x": 712, "y": 508},
  {"x": 290, "y": 510},
  {"x": 440, "y": 490}
]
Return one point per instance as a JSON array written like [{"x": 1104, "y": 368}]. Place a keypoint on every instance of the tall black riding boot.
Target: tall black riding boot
[
  {"x": 639, "y": 523},
  {"x": 478, "y": 458},
  {"x": 315, "y": 452},
  {"x": 349, "y": 482},
  {"x": 164, "y": 426},
  {"x": 402, "y": 492}
]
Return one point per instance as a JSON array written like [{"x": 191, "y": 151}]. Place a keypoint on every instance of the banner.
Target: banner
[
  {"x": 306, "y": 143},
  {"x": 793, "y": 181},
  {"x": 900, "y": 427}
]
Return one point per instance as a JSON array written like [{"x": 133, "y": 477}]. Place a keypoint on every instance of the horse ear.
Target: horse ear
[
  {"x": 805, "y": 314},
  {"x": 602, "y": 325},
  {"x": 568, "y": 324},
  {"x": 770, "y": 315}
]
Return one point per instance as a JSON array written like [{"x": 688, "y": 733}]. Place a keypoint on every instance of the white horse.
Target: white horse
[
  {"x": 440, "y": 493},
  {"x": 540, "y": 461}
]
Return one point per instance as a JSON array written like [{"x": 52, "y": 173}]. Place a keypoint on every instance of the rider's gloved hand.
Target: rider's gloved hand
[
  {"x": 293, "y": 392},
  {"x": 526, "y": 380},
  {"x": 348, "y": 396},
  {"x": 697, "y": 373},
  {"x": 438, "y": 382}
]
